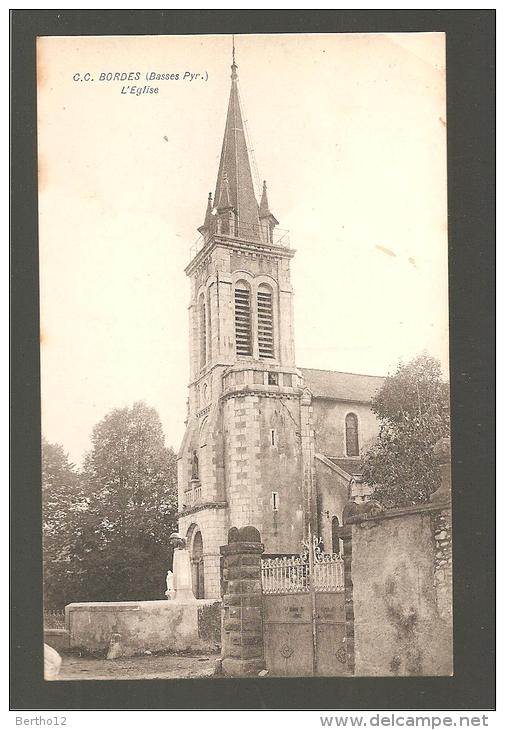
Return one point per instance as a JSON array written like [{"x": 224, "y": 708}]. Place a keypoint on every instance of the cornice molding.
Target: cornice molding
[
  {"x": 200, "y": 507},
  {"x": 240, "y": 245}
]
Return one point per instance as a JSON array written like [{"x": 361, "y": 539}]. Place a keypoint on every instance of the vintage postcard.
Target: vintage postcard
[{"x": 244, "y": 356}]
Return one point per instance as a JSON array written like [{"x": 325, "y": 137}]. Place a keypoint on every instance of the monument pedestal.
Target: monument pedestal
[{"x": 183, "y": 584}]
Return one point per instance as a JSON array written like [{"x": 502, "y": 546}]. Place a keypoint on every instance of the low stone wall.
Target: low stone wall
[
  {"x": 58, "y": 639},
  {"x": 401, "y": 583},
  {"x": 145, "y": 625}
]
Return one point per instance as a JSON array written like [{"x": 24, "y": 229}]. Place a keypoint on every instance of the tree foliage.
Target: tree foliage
[
  {"x": 62, "y": 506},
  {"x": 131, "y": 478},
  {"x": 126, "y": 511},
  {"x": 414, "y": 413}
]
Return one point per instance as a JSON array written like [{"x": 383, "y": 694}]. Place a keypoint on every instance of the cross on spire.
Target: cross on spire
[{"x": 234, "y": 75}]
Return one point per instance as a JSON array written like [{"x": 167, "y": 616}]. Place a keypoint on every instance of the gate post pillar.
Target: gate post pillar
[
  {"x": 345, "y": 534},
  {"x": 242, "y": 642}
]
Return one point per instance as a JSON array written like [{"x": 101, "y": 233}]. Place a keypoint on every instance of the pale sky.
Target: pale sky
[{"x": 349, "y": 132}]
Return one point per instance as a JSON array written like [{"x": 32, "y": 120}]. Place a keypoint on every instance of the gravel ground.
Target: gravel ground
[{"x": 139, "y": 667}]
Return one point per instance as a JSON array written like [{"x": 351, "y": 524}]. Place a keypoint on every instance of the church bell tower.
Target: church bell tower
[{"x": 243, "y": 459}]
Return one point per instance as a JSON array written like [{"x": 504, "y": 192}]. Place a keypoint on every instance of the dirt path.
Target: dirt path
[{"x": 139, "y": 667}]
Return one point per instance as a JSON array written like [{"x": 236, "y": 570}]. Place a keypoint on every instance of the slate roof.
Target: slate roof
[
  {"x": 234, "y": 186},
  {"x": 342, "y": 386},
  {"x": 354, "y": 467}
]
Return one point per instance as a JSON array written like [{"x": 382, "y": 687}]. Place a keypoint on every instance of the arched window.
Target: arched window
[
  {"x": 243, "y": 339},
  {"x": 265, "y": 322},
  {"x": 351, "y": 435},
  {"x": 198, "y": 566},
  {"x": 203, "y": 330},
  {"x": 203, "y": 432},
  {"x": 335, "y": 540}
]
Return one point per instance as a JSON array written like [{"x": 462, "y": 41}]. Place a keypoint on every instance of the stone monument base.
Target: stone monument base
[{"x": 184, "y": 595}]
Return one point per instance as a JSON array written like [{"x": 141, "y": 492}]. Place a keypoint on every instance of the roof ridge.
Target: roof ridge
[{"x": 344, "y": 372}]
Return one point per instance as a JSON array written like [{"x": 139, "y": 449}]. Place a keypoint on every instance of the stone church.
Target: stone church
[{"x": 267, "y": 443}]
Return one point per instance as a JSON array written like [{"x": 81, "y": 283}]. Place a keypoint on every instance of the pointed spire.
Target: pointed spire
[
  {"x": 207, "y": 223},
  {"x": 264, "y": 211},
  {"x": 235, "y": 168}
]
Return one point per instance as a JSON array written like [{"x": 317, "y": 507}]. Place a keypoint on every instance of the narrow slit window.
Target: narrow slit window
[
  {"x": 265, "y": 323},
  {"x": 272, "y": 437},
  {"x": 351, "y": 435},
  {"x": 335, "y": 536},
  {"x": 243, "y": 339},
  {"x": 275, "y": 501}
]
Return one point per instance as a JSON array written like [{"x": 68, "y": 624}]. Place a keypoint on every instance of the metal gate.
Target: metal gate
[{"x": 304, "y": 613}]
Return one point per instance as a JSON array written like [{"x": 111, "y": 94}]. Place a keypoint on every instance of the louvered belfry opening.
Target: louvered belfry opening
[
  {"x": 265, "y": 324},
  {"x": 243, "y": 339}
]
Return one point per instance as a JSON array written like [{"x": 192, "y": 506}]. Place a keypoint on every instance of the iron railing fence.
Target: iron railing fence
[
  {"x": 284, "y": 575},
  {"x": 255, "y": 233},
  {"x": 292, "y": 574},
  {"x": 329, "y": 574},
  {"x": 54, "y": 619}
]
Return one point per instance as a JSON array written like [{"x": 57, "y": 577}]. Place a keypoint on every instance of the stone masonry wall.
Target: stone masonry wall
[
  {"x": 255, "y": 468},
  {"x": 442, "y": 530},
  {"x": 400, "y": 591},
  {"x": 212, "y": 523},
  {"x": 329, "y": 425},
  {"x": 144, "y": 625}
]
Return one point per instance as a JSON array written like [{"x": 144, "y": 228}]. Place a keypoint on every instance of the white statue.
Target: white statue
[
  {"x": 170, "y": 592},
  {"x": 52, "y": 662}
]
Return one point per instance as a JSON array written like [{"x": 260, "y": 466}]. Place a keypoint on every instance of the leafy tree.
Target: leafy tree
[
  {"x": 62, "y": 505},
  {"x": 130, "y": 479},
  {"x": 414, "y": 413}
]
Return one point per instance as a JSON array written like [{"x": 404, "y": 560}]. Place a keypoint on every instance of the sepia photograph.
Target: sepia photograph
[{"x": 244, "y": 325}]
